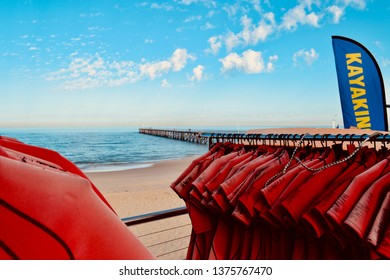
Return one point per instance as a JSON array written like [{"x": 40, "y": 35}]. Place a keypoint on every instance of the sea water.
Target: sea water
[
  {"x": 95, "y": 149},
  {"x": 106, "y": 149}
]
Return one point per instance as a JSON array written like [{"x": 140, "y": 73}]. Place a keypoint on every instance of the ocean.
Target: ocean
[
  {"x": 106, "y": 149},
  {"x": 95, "y": 149}
]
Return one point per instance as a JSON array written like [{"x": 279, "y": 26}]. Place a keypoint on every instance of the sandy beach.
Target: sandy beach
[
  {"x": 143, "y": 190},
  {"x": 137, "y": 191}
]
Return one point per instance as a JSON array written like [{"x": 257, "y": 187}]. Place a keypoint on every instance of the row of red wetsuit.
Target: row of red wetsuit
[{"x": 262, "y": 203}]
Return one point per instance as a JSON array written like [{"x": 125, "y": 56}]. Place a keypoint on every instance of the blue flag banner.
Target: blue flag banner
[{"x": 361, "y": 87}]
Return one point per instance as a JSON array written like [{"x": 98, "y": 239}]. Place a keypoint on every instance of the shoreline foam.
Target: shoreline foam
[{"x": 95, "y": 168}]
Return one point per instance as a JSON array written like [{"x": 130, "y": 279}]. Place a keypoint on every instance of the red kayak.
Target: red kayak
[{"x": 49, "y": 209}]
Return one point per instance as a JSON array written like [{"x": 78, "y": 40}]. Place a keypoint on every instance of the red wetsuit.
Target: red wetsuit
[
  {"x": 270, "y": 193},
  {"x": 245, "y": 208},
  {"x": 203, "y": 221},
  {"x": 380, "y": 235},
  {"x": 220, "y": 196},
  {"x": 198, "y": 186},
  {"x": 184, "y": 188},
  {"x": 195, "y": 164},
  {"x": 344, "y": 205},
  {"x": 380, "y": 223},
  {"x": 276, "y": 212},
  {"x": 219, "y": 178},
  {"x": 316, "y": 219},
  {"x": 231, "y": 252},
  {"x": 243, "y": 201},
  {"x": 364, "y": 212}
]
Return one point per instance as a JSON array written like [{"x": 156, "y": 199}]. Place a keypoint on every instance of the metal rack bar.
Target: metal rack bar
[
  {"x": 251, "y": 138},
  {"x": 329, "y": 137}
]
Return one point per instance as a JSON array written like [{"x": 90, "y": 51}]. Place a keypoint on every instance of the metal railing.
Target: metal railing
[
  {"x": 154, "y": 216},
  {"x": 165, "y": 242}
]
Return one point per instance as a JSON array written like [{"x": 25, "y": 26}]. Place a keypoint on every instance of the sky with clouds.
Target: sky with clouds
[{"x": 180, "y": 62}]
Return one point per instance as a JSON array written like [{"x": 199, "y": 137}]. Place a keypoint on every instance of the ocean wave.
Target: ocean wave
[{"x": 109, "y": 167}]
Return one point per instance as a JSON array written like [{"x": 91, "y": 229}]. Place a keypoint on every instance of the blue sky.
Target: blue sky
[{"x": 180, "y": 63}]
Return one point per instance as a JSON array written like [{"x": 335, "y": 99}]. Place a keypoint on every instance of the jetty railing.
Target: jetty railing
[{"x": 183, "y": 135}]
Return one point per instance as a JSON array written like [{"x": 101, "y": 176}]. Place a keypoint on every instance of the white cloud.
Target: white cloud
[
  {"x": 297, "y": 15},
  {"x": 34, "y": 49},
  {"x": 165, "y": 84},
  {"x": 385, "y": 62},
  {"x": 206, "y": 3},
  {"x": 215, "y": 45},
  {"x": 256, "y": 5},
  {"x": 313, "y": 13},
  {"x": 208, "y": 26},
  {"x": 244, "y": 7},
  {"x": 303, "y": 13},
  {"x": 94, "y": 71},
  {"x": 197, "y": 73},
  {"x": 149, "y": 41},
  {"x": 157, "y": 69},
  {"x": 179, "y": 59},
  {"x": 309, "y": 57},
  {"x": 357, "y": 4},
  {"x": 193, "y": 18},
  {"x": 10, "y": 54},
  {"x": 270, "y": 64},
  {"x": 142, "y": 4},
  {"x": 336, "y": 12},
  {"x": 188, "y": 2},
  {"x": 163, "y": 6},
  {"x": 250, "y": 62},
  {"x": 307, "y": 3},
  {"x": 379, "y": 44},
  {"x": 231, "y": 10},
  {"x": 250, "y": 35},
  {"x": 91, "y": 15},
  {"x": 211, "y": 13},
  {"x": 263, "y": 30},
  {"x": 231, "y": 41},
  {"x": 97, "y": 28}
]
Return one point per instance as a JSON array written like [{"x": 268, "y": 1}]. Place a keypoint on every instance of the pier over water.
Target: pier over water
[{"x": 183, "y": 135}]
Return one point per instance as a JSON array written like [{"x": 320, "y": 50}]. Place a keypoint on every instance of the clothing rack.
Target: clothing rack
[
  {"x": 284, "y": 139},
  {"x": 300, "y": 199}
]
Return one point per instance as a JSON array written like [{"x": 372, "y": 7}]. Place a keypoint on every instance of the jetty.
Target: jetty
[{"x": 183, "y": 135}]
